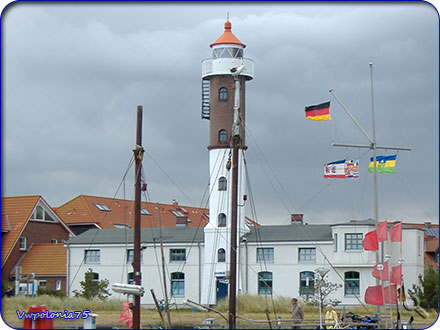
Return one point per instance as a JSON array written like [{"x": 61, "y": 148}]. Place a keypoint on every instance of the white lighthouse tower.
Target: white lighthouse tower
[{"x": 218, "y": 92}]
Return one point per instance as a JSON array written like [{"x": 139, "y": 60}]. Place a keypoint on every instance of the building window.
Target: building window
[
  {"x": 222, "y": 220},
  {"x": 102, "y": 207},
  {"x": 23, "y": 243},
  {"x": 335, "y": 239},
  {"x": 222, "y": 183},
  {"x": 223, "y": 94},
  {"x": 222, "y": 136},
  {"x": 221, "y": 255},
  {"x": 58, "y": 285},
  {"x": 306, "y": 255},
  {"x": 177, "y": 284},
  {"x": 265, "y": 283},
  {"x": 177, "y": 254},
  {"x": 265, "y": 255},
  {"x": 130, "y": 279},
  {"x": 42, "y": 283},
  {"x": 54, "y": 241},
  {"x": 145, "y": 212},
  {"x": 130, "y": 255},
  {"x": 92, "y": 256},
  {"x": 351, "y": 283},
  {"x": 353, "y": 242},
  {"x": 306, "y": 283},
  {"x": 95, "y": 277}
]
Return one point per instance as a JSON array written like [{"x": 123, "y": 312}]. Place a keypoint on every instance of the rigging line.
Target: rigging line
[
  {"x": 105, "y": 215},
  {"x": 316, "y": 194},
  {"x": 402, "y": 182},
  {"x": 169, "y": 178},
  {"x": 257, "y": 231},
  {"x": 201, "y": 216},
  {"x": 271, "y": 169}
]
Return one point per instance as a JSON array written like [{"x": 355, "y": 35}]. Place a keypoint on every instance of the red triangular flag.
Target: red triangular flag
[
  {"x": 396, "y": 232},
  {"x": 382, "y": 231},
  {"x": 390, "y": 294},
  {"x": 381, "y": 274},
  {"x": 373, "y": 295},
  {"x": 396, "y": 275},
  {"x": 370, "y": 241}
]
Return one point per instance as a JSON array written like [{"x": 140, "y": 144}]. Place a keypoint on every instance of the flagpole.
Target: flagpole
[{"x": 372, "y": 145}]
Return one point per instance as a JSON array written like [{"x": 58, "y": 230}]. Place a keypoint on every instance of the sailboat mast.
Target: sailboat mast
[{"x": 138, "y": 153}]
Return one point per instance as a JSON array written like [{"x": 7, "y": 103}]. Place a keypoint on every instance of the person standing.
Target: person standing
[
  {"x": 331, "y": 317},
  {"x": 297, "y": 314}
]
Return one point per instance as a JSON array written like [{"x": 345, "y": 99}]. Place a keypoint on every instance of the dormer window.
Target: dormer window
[
  {"x": 223, "y": 94},
  {"x": 41, "y": 214}
]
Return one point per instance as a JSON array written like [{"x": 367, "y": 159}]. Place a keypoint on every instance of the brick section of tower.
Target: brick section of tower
[{"x": 222, "y": 112}]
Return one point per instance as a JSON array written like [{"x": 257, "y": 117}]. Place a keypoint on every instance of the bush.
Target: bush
[
  {"x": 46, "y": 291},
  {"x": 426, "y": 295}
]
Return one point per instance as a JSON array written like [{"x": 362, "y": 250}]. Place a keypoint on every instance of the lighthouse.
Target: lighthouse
[{"x": 224, "y": 76}]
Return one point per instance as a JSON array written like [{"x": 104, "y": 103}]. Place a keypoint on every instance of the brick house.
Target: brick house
[{"x": 32, "y": 234}]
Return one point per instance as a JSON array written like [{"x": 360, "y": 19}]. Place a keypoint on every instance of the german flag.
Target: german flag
[{"x": 318, "y": 112}]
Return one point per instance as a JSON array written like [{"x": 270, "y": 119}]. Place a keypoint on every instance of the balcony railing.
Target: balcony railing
[{"x": 221, "y": 66}]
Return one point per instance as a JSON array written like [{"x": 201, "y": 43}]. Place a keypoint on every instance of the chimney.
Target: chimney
[
  {"x": 175, "y": 204},
  {"x": 428, "y": 224},
  {"x": 296, "y": 218}
]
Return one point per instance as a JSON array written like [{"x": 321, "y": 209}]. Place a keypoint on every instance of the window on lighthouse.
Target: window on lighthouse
[
  {"x": 223, "y": 94},
  {"x": 221, "y": 255},
  {"x": 222, "y": 219},
  {"x": 222, "y": 136},
  {"x": 222, "y": 183}
]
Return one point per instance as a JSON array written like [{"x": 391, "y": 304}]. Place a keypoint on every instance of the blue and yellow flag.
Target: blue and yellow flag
[{"x": 384, "y": 164}]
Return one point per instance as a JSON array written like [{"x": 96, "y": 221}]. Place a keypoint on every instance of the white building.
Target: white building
[{"x": 275, "y": 260}]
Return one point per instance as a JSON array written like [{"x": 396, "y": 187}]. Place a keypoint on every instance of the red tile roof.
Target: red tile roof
[
  {"x": 18, "y": 210},
  {"x": 83, "y": 209},
  {"x": 45, "y": 259}
]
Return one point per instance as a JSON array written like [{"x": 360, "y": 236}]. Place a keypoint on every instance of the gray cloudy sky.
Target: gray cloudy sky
[{"x": 73, "y": 75}]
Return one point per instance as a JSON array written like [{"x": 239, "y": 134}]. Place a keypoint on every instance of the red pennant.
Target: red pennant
[
  {"x": 381, "y": 274},
  {"x": 382, "y": 231},
  {"x": 373, "y": 295},
  {"x": 390, "y": 294},
  {"x": 370, "y": 241},
  {"x": 396, "y": 232},
  {"x": 396, "y": 275}
]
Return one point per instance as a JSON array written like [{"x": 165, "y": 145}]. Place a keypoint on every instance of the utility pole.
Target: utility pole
[{"x": 138, "y": 154}]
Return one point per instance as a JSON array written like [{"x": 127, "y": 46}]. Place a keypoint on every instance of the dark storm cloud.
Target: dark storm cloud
[{"x": 74, "y": 74}]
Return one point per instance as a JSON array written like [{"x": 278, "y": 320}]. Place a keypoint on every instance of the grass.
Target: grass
[{"x": 248, "y": 307}]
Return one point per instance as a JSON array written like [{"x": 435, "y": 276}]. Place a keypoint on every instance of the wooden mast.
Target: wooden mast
[
  {"x": 236, "y": 143},
  {"x": 138, "y": 153}
]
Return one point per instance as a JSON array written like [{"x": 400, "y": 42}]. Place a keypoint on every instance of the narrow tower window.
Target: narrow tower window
[
  {"x": 222, "y": 220},
  {"x": 223, "y": 94},
  {"x": 223, "y": 136},
  {"x": 222, "y": 183},
  {"x": 221, "y": 255}
]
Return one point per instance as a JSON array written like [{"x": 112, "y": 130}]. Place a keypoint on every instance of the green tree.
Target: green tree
[
  {"x": 426, "y": 295},
  {"x": 92, "y": 288},
  {"x": 321, "y": 292}
]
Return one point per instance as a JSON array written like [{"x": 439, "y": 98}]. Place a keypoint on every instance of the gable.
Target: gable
[{"x": 18, "y": 211}]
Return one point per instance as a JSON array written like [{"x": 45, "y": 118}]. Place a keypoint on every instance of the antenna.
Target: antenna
[{"x": 227, "y": 16}]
